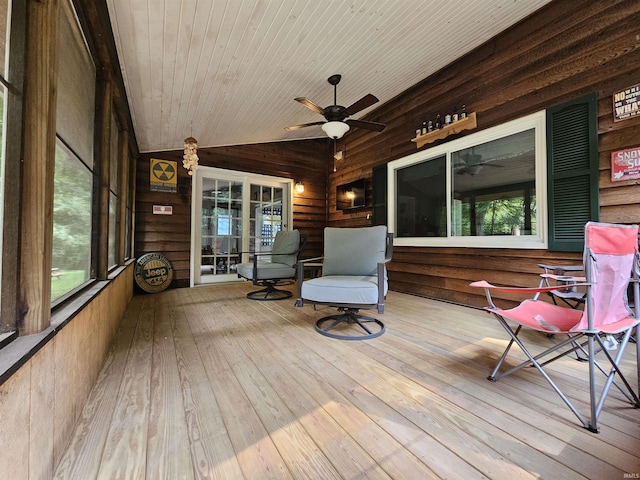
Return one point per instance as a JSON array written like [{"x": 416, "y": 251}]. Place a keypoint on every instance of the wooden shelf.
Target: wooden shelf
[{"x": 468, "y": 123}]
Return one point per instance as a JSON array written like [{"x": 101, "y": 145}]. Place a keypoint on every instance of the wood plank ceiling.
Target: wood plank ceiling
[{"x": 226, "y": 71}]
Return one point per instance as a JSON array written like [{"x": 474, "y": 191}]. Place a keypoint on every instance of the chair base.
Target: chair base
[
  {"x": 270, "y": 292},
  {"x": 350, "y": 317}
]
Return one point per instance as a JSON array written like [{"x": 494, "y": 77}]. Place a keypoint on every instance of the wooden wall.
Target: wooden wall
[
  {"x": 567, "y": 49},
  {"x": 41, "y": 402},
  {"x": 305, "y": 161}
]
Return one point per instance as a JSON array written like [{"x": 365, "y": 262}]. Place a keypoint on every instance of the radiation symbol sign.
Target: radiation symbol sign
[{"x": 163, "y": 176}]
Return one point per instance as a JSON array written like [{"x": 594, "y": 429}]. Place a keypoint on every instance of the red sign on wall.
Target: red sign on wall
[{"x": 625, "y": 164}]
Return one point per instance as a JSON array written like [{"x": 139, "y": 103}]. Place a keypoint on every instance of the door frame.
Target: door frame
[{"x": 233, "y": 175}]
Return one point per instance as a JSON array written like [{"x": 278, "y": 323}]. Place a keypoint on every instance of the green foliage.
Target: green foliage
[
  {"x": 71, "y": 214},
  {"x": 497, "y": 217}
]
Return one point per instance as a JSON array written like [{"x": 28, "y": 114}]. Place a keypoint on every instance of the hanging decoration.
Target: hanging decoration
[{"x": 190, "y": 158}]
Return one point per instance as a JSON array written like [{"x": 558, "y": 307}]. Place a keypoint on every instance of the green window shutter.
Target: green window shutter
[
  {"x": 379, "y": 183},
  {"x": 572, "y": 171}
]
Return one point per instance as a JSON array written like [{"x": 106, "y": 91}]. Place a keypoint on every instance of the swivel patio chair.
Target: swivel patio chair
[
  {"x": 354, "y": 277},
  {"x": 610, "y": 262},
  {"x": 269, "y": 269}
]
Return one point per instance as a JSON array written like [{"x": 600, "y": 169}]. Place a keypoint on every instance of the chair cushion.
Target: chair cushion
[
  {"x": 286, "y": 242},
  {"x": 353, "y": 251},
  {"x": 266, "y": 271},
  {"x": 345, "y": 289}
]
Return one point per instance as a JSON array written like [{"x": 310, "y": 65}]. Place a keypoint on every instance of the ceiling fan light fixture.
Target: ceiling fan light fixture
[{"x": 335, "y": 129}]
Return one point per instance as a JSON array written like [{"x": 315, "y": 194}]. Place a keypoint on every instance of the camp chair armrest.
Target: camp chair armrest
[
  {"x": 563, "y": 268},
  {"x": 487, "y": 285},
  {"x": 532, "y": 290},
  {"x": 563, "y": 278}
]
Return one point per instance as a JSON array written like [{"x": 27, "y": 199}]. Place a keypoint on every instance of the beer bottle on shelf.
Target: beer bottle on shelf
[
  {"x": 463, "y": 113},
  {"x": 430, "y": 126},
  {"x": 424, "y": 128},
  {"x": 455, "y": 117},
  {"x": 438, "y": 124}
]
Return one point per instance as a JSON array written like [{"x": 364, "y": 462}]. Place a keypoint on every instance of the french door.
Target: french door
[{"x": 233, "y": 215}]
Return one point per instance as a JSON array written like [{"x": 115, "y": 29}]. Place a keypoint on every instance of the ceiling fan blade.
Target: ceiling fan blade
[
  {"x": 375, "y": 126},
  {"x": 309, "y": 104},
  {"x": 361, "y": 104},
  {"x": 297, "y": 127}
]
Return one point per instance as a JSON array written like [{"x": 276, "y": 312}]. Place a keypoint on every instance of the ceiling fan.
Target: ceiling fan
[
  {"x": 336, "y": 124},
  {"x": 471, "y": 163}
]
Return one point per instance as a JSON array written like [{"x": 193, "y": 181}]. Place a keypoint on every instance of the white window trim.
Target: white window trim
[{"x": 538, "y": 241}]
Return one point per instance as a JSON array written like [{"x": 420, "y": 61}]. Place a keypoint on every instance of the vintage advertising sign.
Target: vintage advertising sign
[
  {"x": 153, "y": 272},
  {"x": 625, "y": 164},
  {"x": 163, "y": 176},
  {"x": 626, "y": 103}
]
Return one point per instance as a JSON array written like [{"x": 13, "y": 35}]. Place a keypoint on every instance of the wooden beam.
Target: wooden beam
[
  {"x": 12, "y": 164},
  {"x": 38, "y": 165},
  {"x": 123, "y": 144},
  {"x": 103, "y": 143}
]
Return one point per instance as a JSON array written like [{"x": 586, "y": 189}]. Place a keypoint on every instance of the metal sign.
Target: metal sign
[
  {"x": 626, "y": 103},
  {"x": 163, "y": 176},
  {"x": 625, "y": 164},
  {"x": 153, "y": 272}
]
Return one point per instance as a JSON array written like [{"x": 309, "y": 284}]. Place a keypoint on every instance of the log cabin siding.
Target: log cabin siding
[
  {"x": 303, "y": 161},
  {"x": 565, "y": 50}
]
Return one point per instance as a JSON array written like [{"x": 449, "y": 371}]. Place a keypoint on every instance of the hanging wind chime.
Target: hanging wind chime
[{"x": 190, "y": 157}]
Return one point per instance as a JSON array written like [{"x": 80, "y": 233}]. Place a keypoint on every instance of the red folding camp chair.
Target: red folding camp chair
[{"x": 610, "y": 261}]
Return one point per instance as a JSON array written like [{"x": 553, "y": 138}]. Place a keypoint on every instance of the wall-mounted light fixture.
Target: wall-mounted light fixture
[
  {"x": 190, "y": 157},
  {"x": 300, "y": 187}
]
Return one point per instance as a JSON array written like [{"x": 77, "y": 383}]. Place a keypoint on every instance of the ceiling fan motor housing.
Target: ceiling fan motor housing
[{"x": 335, "y": 113}]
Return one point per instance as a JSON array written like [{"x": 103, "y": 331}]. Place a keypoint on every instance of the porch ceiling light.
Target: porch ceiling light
[{"x": 336, "y": 129}]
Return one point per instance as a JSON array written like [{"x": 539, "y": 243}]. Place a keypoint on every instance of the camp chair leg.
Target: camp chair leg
[
  {"x": 533, "y": 361},
  {"x": 615, "y": 369}
]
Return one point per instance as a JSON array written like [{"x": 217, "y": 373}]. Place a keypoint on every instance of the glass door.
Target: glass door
[
  {"x": 266, "y": 217},
  {"x": 234, "y": 215},
  {"x": 220, "y": 228}
]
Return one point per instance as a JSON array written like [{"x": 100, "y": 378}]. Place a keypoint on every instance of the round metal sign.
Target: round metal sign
[{"x": 153, "y": 272}]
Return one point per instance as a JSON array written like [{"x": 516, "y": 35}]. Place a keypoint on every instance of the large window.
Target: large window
[
  {"x": 484, "y": 190},
  {"x": 494, "y": 187},
  {"x": 73, "y": 179}
]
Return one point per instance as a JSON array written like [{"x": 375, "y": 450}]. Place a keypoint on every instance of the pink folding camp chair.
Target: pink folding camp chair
[{"x": 610, "y": 261}]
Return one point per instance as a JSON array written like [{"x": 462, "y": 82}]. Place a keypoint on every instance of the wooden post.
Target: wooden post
[
  {"x": 103, "y": 141},
  {"x": 38, "y": 166},
  {"x": 124, "y": 193}
]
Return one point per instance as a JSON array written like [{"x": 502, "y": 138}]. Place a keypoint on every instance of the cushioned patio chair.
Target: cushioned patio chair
[
  {"x": 354, "y": 277},
  {"x": 603, "y": 329},
  {"x": 269, "y": 269}
]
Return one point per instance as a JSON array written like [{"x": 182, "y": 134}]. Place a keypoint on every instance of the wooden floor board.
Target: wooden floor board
[
  {"x": 205, "y": 383},
  {"x": 82, "y": 458}
]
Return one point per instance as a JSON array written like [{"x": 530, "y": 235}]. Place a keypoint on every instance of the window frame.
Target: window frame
[
  {"x": 10, "y": 223},
  {"x": 536, "y": 121}
]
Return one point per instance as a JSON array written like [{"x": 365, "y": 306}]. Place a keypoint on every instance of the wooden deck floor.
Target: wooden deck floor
[{"x": 204, "y": 383}]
